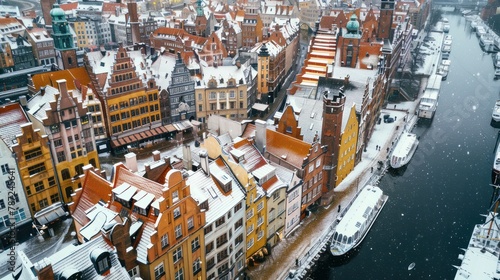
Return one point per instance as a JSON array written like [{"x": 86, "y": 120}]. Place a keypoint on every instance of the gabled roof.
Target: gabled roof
[
  {"x": 253, "y": 158},
  {"x": 287, "y": 148},
  {"x": 95, "y": 189},
  {"x": 11, "y": 117},
  {"x": 123, "y": 175},
  {"x": 69, "y": 6},
  {"x": 205, "y": 187}
]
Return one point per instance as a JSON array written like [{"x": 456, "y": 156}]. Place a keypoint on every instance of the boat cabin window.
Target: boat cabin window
[
  {"x": 335, "y": 236},
  {"x": 349, "y": 241},
  {"x": 339, "y": 238},
  {"x": 344, "y": 239}
]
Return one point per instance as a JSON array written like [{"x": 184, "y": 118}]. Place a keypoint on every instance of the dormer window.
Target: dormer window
[{"x": 101, "y": 260}]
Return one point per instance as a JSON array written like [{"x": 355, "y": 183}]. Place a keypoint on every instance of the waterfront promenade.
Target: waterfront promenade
[{"x": 303, "y": 245}]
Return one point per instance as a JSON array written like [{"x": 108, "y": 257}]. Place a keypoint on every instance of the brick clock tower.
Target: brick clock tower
[
  {"x": 63, "y": 39},
  {"x": 385, "y": 20},
  {"x": 333, "y": 108}
]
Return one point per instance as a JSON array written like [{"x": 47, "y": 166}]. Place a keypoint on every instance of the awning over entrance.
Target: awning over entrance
[
  {"x": 50, "y": 214},
  {"x": 260, "y": 107},
  {"x": 125, "y": 140}
]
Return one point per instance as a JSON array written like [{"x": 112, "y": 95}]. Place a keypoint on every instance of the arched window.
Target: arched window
[{"x": 65, "y": 174}]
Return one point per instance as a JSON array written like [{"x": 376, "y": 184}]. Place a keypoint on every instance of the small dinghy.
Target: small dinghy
[{"x": 411, "y": 266}]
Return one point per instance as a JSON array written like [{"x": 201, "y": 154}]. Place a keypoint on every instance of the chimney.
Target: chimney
[
  {"x": 156, "y": 155},
  {"x": 204, "y": 162},
  {"x": 63, "y": 87},
  {"x": 187, "y": 161},
  {"x": 44, "y": 270},
  {"x": 260, "y": 135},
  {"x": 131, "y": 162}
]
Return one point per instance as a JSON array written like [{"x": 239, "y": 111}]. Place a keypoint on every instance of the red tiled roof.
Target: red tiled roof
[
  {"x": 70, "y": 75},
  {"x": 279, "y": 144},
  {"x": 11, "y": 117},
  {"x": 123, "y": 175},
  {"x": 69, "y": 6},
  {"x": 95, "y": 188}
]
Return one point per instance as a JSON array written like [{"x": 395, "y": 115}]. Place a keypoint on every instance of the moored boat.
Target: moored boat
[
  {"x": 404, "y": 150},
  {"x": 496, "y": 111},
  {"x": 357, "y": 219},
  {"x": 480, "y": 259},
  {"x": 429, "y": 101}
]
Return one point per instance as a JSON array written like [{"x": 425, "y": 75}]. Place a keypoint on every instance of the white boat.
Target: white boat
[
  {"x": 480, "y": 258},
  {"x": 480, "y": 30},
  {"x": 357, "y": 219},
  {"x": 429, "y": 101},
  {"x": 496, "y": 111},
  {"x": 495, "y": 171},
  {"x": 446, "y": 28},
  {"x": 487, "y": 43},
  {"x": 496, "y": 60},
  {"x": 473, "y": 25},
  {"x": 404, "y": 150},
  {"x": 443, "y": 71}
]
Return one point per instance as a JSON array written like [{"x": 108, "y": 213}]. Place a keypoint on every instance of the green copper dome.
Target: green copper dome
[
  {"x": 56, "y": 11},
  {"x": 353, "y": 25}
]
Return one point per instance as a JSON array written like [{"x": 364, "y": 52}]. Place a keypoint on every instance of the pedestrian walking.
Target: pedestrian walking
[
  {"x": 376, "y": 147},
  {"x": 339, "y": 208},
  {"x": 372, "y": 169},
  {"x": 395, "y": 117},
  {"x": 387, "y": 149}
]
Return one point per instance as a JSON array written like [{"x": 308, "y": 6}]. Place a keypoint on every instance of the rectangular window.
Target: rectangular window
[
  {"x": 177, "y": 213},
  {"x": 219, "y": 222},
  {"x": 43, "y": 203},
  {"x": 238, "y": 224},
  {"x": 164, "y": 240},
  {"x": 2, "y": 204},
  {"x": 33, "y": 153},
  {"x": 159, "y": 271},
  {"x": 54, "y": 198},
  {"x": 195, "y": 244},
  {"x": 39, "y": 186},
  {"x": 209, "y": 247},
  {"x": 208, "y": 229},
  {"x": 237, "y": 207},
  {"x": 221, "y": 240},
  {"x": 190, "y": 223},
  {"x": 178, "y": 231},
  {"x": 37, "y": 168},
  {"x": 179, "y": 274},
  {"x": 177, "y": 254}
]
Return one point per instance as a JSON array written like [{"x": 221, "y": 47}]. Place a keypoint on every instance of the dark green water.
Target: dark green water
[{"x": 435, "y": 203}]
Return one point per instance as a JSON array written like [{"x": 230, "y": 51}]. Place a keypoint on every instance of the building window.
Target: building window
[
  {"x": 65, "y": 174},
  {"x": 195, "y": 244},
  {"x": 39, "y": 186},
  {"x": 196, "y": 266},
  {"x": 164, "y": 240},
  {"x": 208, "y": 229},
  {"x": 221, "y": 240},
  {"x": 237, "y": 207},
  {"x": 159, "y": 271},
  {"x": 209, "y": 247},
  {"x": 177, "y": 254},
  {"x": 179, "y": 274},
  {"x": 54, "y": 198},
  {"x": 219, "y": 222},
  {"x": 190, "y": 223},
  {"x": 238, "y": 224},
  {"x": 177, "y": 213},
  {"x": 2, "y": 204},
  {"x": 43, "y": 203},
  {"x": 178, "y": 231},
  {"x": 37, "y": 168}
]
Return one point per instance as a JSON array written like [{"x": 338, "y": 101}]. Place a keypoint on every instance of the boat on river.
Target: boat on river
[
  {"x": 429, "y": 101},
  {"x": 480, "y": 258},
  {"x": 404, "y": 150},
  {"x": 495, "y": 172},
  {"x": 355, "y": 222},
  {"x": 496, "y": 112}
]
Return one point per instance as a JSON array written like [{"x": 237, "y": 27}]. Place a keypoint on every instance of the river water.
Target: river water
[{"x": 434, "y": 204}]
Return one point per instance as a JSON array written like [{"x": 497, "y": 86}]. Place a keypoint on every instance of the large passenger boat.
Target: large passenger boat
[
  {"x": 480, "y": 259},
  {"x": 429, "y": 101},
  {"x": 404, "y": 150},
  {"x": 357, "y": 219}
]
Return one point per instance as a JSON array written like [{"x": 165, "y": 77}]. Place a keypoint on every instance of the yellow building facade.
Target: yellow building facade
[
  {"x": 347, "y": 149},
  {"x": 35, "y": 167}
]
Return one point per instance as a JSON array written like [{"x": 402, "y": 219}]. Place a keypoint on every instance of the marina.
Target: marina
[{"x": 450, "y": 170}]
